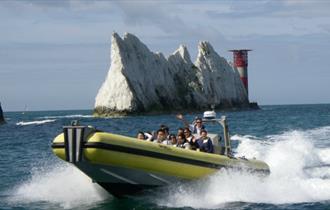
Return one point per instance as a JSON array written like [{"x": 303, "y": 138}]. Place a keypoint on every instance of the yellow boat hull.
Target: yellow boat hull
[{"x": 124, "y": 165}]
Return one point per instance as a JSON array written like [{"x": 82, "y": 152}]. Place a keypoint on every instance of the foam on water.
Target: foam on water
[
  {"x": 37, "y": 122},
  {"x": 67, "y": 116},
  {"x": 324, "y": 155},
  {"x": 300, "y": 172},
  {"x": 61, "y": 185}
]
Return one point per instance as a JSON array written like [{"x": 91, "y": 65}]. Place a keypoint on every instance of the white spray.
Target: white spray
[
  {"x": 300, "y": 172},
  {"x": 61, "y": 185}
]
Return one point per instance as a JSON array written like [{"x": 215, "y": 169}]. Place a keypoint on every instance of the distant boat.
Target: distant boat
[{"x": 25, "y": 109}]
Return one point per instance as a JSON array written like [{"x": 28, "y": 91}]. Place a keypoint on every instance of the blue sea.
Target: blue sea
[{"x": 293, "y": 139}]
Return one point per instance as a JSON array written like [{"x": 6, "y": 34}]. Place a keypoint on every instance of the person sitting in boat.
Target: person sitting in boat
[
  {"x": 182, "y": 142},
  {"x": 180, "y": 131},
  {"x": 144, "y": 136},
  {"x": 190, "y": 139},
  {"x": 141, "y": 136},
  {"x": 161, "y": 136},
  {"x": 205, "y": 143},
  {"x": 195, "y": 127},
  {"x": 173, "y": 140},
  {"x": 170, "y": 141},
  {"x": 166, "y": 129}
]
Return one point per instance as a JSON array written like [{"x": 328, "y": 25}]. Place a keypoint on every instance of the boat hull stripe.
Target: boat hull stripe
[
  {"x": 118, "y": 176},
  {"x": 159, "y": 178}
]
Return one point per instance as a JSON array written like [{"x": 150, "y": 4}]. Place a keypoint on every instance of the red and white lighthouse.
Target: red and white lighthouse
[{"x": 241, "y": 64}]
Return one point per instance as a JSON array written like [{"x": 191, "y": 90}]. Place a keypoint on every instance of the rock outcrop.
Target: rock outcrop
[
  {"x": 2, "y": 118},
  {"x": 143, "y": 81}
]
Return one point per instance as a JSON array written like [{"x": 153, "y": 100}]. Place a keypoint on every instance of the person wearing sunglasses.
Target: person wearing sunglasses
[{"x": 196, "y": 127}]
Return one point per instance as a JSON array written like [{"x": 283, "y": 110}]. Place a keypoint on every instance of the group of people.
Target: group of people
[{"x": 184, "y": 137}]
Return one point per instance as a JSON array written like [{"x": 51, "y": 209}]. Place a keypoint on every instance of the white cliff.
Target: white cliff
[{"x": 142, "y": 81}]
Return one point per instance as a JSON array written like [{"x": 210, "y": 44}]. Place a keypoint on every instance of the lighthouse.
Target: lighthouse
[{"x": 241, "y": 64}]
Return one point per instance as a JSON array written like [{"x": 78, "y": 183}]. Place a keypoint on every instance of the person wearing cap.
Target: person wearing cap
[{"x": 205, "y": 143}]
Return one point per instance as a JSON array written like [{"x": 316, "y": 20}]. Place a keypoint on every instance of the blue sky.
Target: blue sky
[{"x": 55, "y": 54}]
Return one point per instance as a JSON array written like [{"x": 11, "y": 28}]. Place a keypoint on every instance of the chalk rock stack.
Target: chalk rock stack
[{"x": 141, "y": 81}]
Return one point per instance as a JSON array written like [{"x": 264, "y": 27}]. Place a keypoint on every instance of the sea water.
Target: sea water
[{"x": 294, "y": 140}]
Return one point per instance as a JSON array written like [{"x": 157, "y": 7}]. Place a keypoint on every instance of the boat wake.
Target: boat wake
[
  {"x": 300, "y": 172},
  {"x": 61, "y": 185},
  {"x": 67, "y": 116},
  {"x": 37, "y": 122}
]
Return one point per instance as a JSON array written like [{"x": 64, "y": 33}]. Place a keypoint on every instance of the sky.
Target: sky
[{"x": 55, "y": 55}]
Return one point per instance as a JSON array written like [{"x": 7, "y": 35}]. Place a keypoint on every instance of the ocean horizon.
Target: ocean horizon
[{"x": 91, "y": 109}]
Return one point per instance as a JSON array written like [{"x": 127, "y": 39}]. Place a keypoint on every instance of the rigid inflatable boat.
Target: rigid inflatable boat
[{"x": 124, "y": 165}]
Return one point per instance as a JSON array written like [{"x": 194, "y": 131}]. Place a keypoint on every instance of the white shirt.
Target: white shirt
[
  {"x": 192, "y": 128},
  {"x": 148, "y": 136},
  {"x": 190, "y": 138},
  {"x": 167, "y": 142}
]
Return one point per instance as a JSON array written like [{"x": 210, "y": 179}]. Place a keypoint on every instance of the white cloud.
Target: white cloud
[{"x": 229, "y": 19}]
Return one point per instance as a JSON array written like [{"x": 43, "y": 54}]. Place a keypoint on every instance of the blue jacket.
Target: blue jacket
[{"x": 205, "y": 145}]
